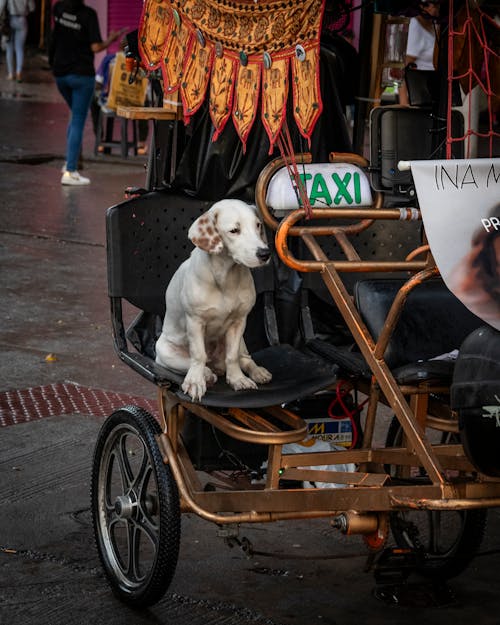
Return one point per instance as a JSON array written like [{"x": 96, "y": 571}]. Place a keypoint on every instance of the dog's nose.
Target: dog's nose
[{"x": 263, "y": 254}]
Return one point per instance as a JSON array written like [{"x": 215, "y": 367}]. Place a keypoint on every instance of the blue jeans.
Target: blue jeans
[
  {"x": 19, "y": 27},
  {"x": 77, "y": 91}
]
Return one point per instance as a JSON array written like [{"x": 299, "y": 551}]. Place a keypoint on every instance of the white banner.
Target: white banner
[{"x": 460, "y": 204}]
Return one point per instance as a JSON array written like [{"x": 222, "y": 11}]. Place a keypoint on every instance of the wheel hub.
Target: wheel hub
[{"x": 124, "y": 506}]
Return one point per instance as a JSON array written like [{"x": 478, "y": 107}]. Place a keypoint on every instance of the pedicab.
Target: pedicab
[{"x": 353, "y": 305}]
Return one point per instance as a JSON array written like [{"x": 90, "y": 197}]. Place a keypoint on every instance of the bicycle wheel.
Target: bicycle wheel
[
  {"x": 135, "y": 508},
  {"x": 444, "y": 541}
]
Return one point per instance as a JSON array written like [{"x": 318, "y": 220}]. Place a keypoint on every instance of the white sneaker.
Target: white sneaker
[{"x": 74, "y": 178}]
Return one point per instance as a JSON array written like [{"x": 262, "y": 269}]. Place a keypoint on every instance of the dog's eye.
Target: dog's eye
[{"x": 235, "y": 231}]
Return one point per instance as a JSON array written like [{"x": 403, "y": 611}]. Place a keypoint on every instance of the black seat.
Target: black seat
[
  {"x": 433, "y": 323},
  {"x": 146, "y": 242}
]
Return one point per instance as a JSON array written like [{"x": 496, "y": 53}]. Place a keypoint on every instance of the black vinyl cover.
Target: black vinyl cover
[
  {"x": 295, "y": 375},
  {"x": 475, "y": 395},
  {"x": 146, "y": 242},
  {"x": 433, "y": 321},
  {"x": 215, "y": 170}
]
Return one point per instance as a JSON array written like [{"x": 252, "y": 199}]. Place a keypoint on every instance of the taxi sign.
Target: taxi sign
[{"x": 329, "y": 185}]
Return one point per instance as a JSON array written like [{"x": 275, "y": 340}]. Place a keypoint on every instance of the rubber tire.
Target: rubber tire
[
  {"x": 468, "y": 541},
  {"x": 137, "y": 593}
]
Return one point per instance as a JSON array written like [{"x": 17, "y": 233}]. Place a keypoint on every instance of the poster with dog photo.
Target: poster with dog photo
[{"x": 460, "y": 205}]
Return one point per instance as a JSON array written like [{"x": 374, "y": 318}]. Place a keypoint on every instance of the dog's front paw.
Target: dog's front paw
[
  {"x": 195, "y": 386},
  {"x": 241, "y": 383},
  {"x": 210, "y": 376},
  {"x": 260, "y": 375}
]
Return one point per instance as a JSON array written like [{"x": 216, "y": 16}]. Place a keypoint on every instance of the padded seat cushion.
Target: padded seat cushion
[
  {"x": 440, "y": 371},
  {"x": 295, "y": 375}
]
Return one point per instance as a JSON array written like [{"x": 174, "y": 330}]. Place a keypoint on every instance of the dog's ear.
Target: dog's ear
[{"x": 203, "y": 233}]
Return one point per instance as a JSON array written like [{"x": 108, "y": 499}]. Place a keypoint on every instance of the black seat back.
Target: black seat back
[
  {"x": 146, "y": 243},
  {"x": 433, "y": 320}
]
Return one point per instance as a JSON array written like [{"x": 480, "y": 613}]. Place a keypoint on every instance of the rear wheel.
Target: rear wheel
[
  {"x": 135, "y": 508},
  {"x": 444, "y": 541}
]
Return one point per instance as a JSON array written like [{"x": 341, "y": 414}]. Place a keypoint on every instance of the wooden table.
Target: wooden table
[{"x": 149, "y": 112}]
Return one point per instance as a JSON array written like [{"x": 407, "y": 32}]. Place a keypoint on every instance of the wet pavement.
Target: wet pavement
[{"x": 55, "y": 341}]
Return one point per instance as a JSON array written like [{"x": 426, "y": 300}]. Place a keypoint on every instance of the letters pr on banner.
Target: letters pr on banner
[{"x": 460, "y": 204}]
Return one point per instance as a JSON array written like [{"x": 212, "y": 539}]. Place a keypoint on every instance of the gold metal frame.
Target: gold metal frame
[{"x": 453, "y": 482}]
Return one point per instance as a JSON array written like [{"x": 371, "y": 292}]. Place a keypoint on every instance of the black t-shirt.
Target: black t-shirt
[{"x": 75, "y": 29}]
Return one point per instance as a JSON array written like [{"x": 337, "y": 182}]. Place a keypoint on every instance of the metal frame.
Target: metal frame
[{"x": 369, "y": 491}]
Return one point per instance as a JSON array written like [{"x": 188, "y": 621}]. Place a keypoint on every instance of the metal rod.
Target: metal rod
[
  {"x": 444, "y": 504},
  {"x": 190, "y": 505},
  {"x": 383, "y": 374},
  {"x": 397, "y": 308},
  {"x": 249, "y": 436}
]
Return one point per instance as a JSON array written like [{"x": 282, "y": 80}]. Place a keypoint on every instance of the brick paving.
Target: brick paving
[{"x": 64, "y": 398}]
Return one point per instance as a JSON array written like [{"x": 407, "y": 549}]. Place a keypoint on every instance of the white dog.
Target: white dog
[{"x": 209, "y": 298}]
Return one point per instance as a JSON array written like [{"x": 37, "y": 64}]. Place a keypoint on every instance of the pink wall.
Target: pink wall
[
  {"x": 114, "y": 15},
  {"x": 101, "y": 6}
]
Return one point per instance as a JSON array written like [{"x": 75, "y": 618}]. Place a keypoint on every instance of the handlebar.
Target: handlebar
[{"x": 366, "y": 216}]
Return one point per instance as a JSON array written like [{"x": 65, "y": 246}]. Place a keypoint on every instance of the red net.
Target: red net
[{"x": 474, "y": 61}]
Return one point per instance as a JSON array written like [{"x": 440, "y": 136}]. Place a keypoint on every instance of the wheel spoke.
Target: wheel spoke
[
  {"x": 145, "y": 497},
  {"x": 135, "y": 531},
  {"x": 108, "y": 490},
  {"x": 132, "y": 551},
  {"x": 120, "y": 453},
  {"x": 142, "y": 474},
  {"x": 149, "y": 528},
  {"x": 120, "y": 553}
]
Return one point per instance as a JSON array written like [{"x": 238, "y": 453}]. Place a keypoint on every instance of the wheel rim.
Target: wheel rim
[
  {"x": 435, "y": 533},
  {"x": 444, "y": 540},
  {"x": 129, "y": 522}
]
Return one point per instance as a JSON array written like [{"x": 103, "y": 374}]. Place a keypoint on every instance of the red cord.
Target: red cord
[
  {"x": 350, "y": 414},
  {"x": 287, "y": 152}
]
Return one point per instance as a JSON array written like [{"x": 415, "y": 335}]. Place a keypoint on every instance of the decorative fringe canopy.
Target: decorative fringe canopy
[{"x": 241, "y": 54}]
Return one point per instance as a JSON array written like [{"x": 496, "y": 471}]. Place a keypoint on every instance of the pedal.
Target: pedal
[
  {"x": 230, "y": 535},
  {"x": 394, "y": 566}
]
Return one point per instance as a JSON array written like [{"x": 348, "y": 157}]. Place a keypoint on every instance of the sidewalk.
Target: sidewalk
[
  {"x": 53, "y": 257},
  {"x": 36, "y": 107},
  {"x": 60, "y": 377}
]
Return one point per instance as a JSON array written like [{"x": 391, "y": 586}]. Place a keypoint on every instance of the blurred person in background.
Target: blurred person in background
[
  {"x": 421, "y": 42},
  {"x": 16, "y": 13},
  {"x": 75, "y": 39}
]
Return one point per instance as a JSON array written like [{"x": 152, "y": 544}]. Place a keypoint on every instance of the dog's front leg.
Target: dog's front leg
[
  {"x": 234, "y": 375},
  {"x": 195, "y": 382}
]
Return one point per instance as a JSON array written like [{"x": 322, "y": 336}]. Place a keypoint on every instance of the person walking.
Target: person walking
[
  {"x": 17, "y": 11},
  {"x": 75, "y": 39},
  {"x": 421, "y": 42}
]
